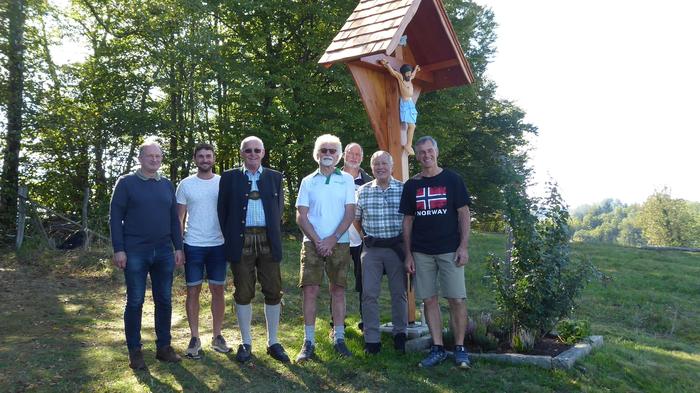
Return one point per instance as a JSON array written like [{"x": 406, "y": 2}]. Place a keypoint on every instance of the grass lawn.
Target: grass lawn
[{"x": 61, "y": 330}]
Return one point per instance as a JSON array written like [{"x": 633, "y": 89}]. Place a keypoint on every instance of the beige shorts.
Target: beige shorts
[
  {"x": 313, "y": 265},
  {"x": 439, "y": 271}
]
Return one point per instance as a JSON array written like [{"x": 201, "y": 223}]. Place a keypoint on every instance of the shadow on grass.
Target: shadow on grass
[{"x": 53, "y": 327}]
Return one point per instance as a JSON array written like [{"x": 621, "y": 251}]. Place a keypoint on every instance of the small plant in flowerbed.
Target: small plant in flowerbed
[
  {"x": 572, "y": 331},
  {"x": 537, "y": 283}
]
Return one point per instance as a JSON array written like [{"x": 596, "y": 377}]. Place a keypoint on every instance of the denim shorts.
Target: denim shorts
[{"x": 201, "y": 259}]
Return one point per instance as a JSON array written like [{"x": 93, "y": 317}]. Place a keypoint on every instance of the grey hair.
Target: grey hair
[
  {"x": 150, "y": 141},
  {"x": 425, "y": 139},
  {"x": 327, "y": 138},
  {"x": 380, "y": 153},
  {"x": 250, "y": 139},
  {"x": 353, "y": 144}
]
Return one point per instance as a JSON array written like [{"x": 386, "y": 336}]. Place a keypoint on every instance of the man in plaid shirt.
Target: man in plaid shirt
[{"x": 377, "y": 217}]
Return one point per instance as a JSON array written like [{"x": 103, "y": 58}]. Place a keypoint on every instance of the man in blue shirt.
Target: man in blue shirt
[{"x": 145, "y": 228}]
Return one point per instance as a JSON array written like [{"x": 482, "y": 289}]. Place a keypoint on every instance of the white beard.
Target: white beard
[{"x": 327, "y": 161}]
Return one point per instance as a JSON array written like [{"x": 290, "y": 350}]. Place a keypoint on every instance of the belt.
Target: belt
[
  {"x": 254, "y": 195},
  {"x": 255, "y": 230}
]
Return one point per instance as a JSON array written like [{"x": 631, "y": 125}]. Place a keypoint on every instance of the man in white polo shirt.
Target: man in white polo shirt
[
  {"x": 204, "y": 247},
  {"x": 325, "y": 210}
]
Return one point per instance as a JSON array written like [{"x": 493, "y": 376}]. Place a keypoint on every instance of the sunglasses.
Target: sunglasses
[
  {"x": 248, "y": 151},
  {"x": 323, "y": 150}
]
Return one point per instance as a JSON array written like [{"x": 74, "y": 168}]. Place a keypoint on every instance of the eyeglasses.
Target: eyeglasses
[
  {"x": 248, "y": 151},
  {"x": 323, "y": 150}
]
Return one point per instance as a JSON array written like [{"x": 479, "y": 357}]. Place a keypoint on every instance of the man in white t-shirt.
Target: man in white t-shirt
[
  {"x": 325, "y": 210},
  {"x": 204, "y": 247}
]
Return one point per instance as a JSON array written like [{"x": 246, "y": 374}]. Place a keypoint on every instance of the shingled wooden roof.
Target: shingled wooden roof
[
  {"x": 370, "y": 29},
  {"x": 376, "y": 27}
]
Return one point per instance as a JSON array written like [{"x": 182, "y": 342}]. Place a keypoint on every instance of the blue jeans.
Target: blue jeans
[{"x": 160, "y": 263}]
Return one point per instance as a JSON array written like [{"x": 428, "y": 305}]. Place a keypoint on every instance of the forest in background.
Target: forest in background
[
  {"x": 661, "y": 220},
  {"x": 216, "y": 71}
]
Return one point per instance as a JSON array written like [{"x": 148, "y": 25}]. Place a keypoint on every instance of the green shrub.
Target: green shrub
[
  {"x": 537, "y": 283},
  {"x": 573, "y": 331}
]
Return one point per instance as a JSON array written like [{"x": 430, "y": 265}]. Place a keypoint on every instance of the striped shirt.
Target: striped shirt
[
  {"x": 378, "y": 209},
  {"x": 255, "y": 216}
]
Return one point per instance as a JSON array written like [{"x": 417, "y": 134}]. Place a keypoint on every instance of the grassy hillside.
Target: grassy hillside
[{"x": 62, "y": 330}]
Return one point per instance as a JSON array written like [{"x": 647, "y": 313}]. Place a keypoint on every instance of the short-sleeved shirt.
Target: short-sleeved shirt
[
  {"x": 326, "y": 198},
  {"x": 200, "y": 196},
  {"x": 378, "y": 209},
  {"x": 434, "y": 202}
]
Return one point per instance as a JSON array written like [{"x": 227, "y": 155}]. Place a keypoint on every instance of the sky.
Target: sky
[{"x": 612, "y": 87}]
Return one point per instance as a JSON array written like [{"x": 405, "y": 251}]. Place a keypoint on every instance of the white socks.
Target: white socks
[
  {"x": 245, "y": 316},
  {"x": 339, "y": 333},
  {"x": 272, "y": 317},
  {"x": 310, "y": 333}
]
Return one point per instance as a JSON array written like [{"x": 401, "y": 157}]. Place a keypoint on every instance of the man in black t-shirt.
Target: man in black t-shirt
[{"x": 436, "y": 223}]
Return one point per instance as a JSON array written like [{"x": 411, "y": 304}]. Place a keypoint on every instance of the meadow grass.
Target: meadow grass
[{"x": 61, "y": 330}]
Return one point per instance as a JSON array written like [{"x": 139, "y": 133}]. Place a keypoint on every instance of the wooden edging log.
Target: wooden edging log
[{"x": 564, "y": 360}]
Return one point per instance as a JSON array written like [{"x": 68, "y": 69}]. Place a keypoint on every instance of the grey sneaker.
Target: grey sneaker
[
  {"x": 342, "y": 349},
  {"x": 461, "y": 357},
  {"x": 307, "y": 352},
  {"x": 219, "y": 344},
  {"x": 194, "y": 349},
  {"x": 436, "y": 356}
]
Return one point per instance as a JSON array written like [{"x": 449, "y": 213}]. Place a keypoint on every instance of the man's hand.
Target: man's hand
[
  {"x": 326, "y": 245},
  {"x": 417, "y": 68},
  {"x": 119, "y": 259},
  {"x": 410, "y": 264},
  {"x": 461, "y": 256},
  {"x": 383, "y": 62},
  {"x": 179, "y": 258}
]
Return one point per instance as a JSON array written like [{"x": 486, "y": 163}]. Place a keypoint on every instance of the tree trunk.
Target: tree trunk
[{"x": 10, "y": 168}]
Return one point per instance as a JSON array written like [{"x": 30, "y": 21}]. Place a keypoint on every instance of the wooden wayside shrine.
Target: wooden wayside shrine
[
  {"x": 373, "y": 32},
  {"x": 415, "y": 32}
]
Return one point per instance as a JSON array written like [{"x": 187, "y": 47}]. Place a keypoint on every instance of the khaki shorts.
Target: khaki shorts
[
  {"x": 433, "y": 271},
  {"x": 313, "y": 265}
]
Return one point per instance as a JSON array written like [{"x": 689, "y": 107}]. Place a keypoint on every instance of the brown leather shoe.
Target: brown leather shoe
[
  {"x": 136, "y": 361},
  {"x": 167, "y": 354}
]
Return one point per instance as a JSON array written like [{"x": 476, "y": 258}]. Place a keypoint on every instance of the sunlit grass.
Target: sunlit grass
[{"x": 62, "y": 330}]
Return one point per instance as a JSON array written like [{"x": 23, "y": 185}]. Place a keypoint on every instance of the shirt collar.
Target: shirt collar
[
  {"x": 246, "y": 170},
  {"x": 393, "y": 183},
  {"x": 141, "y": 176},
  {"x": 336, "y": 171}
]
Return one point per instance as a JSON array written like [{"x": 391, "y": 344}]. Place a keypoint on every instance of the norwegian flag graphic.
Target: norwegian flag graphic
[{"x": 428, "y": 198}]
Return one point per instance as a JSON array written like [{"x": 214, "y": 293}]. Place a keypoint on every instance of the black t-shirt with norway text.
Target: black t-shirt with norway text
[{"x": 434, "y": 202}]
